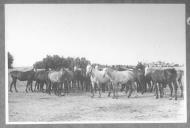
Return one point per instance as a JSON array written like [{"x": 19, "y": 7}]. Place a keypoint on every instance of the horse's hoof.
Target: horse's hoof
[
  {"x": 10, "y": 90},
  {"x": 16, "y": 90}
]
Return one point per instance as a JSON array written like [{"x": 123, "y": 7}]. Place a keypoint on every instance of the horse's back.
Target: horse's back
[
  {"x": 23, "y": 76},
  {"x": 98, "y": 77},
  {"x": 15, "y": 74},
  {"x": 171, "y": 74},
  {"x": 41, "y": 75},
  {"x": 123, "y": 76}
]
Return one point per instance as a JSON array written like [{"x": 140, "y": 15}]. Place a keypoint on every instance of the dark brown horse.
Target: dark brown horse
[
  {"x": 69, "y": 80},
  {"x": 22, "y": 76},
  {"x": 162, "y": 77},
  {"x": 41, "y": 78},
  {"x": 180, "y": 74},
  {"x": 80, "y": 75}
]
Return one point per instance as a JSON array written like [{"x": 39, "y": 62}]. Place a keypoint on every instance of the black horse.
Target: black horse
[
  {"x": 22, "y": 76},
  {"x": 41, "y": 78}
]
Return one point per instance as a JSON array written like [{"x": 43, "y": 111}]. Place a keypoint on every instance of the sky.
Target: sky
[{"x": 102, "y": 33}]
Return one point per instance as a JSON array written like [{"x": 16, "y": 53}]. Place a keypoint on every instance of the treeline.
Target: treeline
[{"x": 56, "y": 62}]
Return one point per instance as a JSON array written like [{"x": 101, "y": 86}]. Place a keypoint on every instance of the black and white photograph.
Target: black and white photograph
[{"x": 95, "y": 63}]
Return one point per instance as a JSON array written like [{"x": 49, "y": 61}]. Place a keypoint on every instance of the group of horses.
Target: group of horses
[
  {"x": 55, "y": 80},
  {"x": 139, "y": 79}
]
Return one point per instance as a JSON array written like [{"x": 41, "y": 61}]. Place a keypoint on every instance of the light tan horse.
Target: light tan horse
[
  {"x": 96, "y": 77},
  {"x": 57, "y": 78},
  {"x": 121, "y": 77}
]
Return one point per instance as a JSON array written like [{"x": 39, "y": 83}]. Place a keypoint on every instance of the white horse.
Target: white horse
[
  {"x": 96, "y": 77},
  {"x": 121, "y": 77},
  {"x": 57, "y": 79}
]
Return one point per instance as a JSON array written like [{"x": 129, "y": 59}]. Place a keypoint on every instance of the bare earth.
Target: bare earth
[{"x": 41, "y": 107}]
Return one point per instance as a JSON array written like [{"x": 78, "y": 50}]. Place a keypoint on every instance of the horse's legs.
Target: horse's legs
[
  {"x": 113, "y": 91},
  {"x": 93, "y": 84},
  {"x": 15, "y": 86},
  {"x": 114, "y": 87},
  {"x": 99, "y": 89},
  {"x": 82, "y": 84},
  {"x": 38, "y": 86},
  {"x": 127, "y": 88},
  {"x": 117, "y": 89},
  {"x": 130, "y": 90},
  {"x": 27, "y": 87},
  {"x": 13, "y": 81},
  {"x": 35, "y": 86},
  {"x": 181, "y": 87},
  {"x": 150, "y": 86},
  {"x": 31, "y": 86},
  {"x": 48, "y": 86},
  {"x": 156, "y": 88},
  {"x": 109, "y": 89},
  {"x": 175, "y": 87},
  {"x": 67, "y": 87},
  {"x": 134, "y": 87},
  {"x": 171, "y": 90},
  {"x": 161, "y": 90},
  {"x": 122, "y": 87}
]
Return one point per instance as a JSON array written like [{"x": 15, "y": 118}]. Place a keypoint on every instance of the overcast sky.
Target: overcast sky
[{"x": 103, "y": 33}]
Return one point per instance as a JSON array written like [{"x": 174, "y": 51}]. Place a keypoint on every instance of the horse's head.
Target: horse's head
[
  {"x": 88, "y": 70},
  {"x": 75, "y": 68},
  {"x": 105, "y": 72},
  {"x": 96, "y": 67},
  {"x": 62, "y": 71}
]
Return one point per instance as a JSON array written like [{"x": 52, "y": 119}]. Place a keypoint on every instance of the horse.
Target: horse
[
  {"x": 121, "y": 77},
  {"x": 162, "y": 77},
  {"x": 148, "y": 80},
  {"x": 97, "y": 78},
  {"x": 41, "y": 78},
  {"x": 22, "y": 76},
  {"x": 69, "y": 80},
  {"x": 139, "y": 73},
  {"x": 180, "y": 74},
  {"x": 57, "y": 79},
  {"x": 79, "y": 75}
]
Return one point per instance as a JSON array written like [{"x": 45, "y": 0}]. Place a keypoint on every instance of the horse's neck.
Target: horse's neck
[
  {"x": 146, "y": 70},
  {"x": 95, "y": 72},
  {"x": 112, "y": 72}
]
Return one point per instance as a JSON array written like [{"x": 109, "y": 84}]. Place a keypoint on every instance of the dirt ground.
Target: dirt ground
[
  {"x": 42, "y": 107},
  {"x": 80, "y": 107}
]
